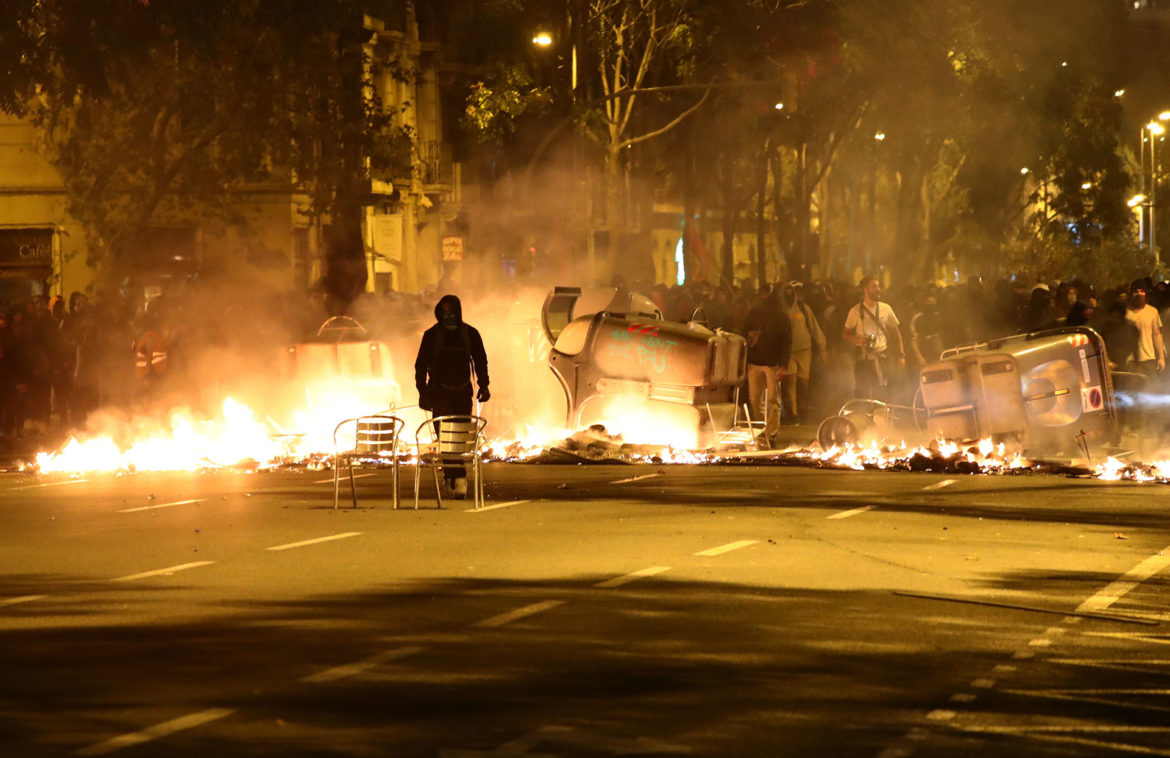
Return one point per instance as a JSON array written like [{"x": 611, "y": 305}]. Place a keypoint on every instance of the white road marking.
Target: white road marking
[
  {"x": 1067, "y": 734},
  {"x": 508, "y": 504},
  {"x": 51, "y": 484},
  {"x": 1040, "y": 642},
  {"x": 1120, "y": 664},
  {"x": 1004, "y": 668},
  {"x": 163, "y": 505},
  {"x": 983, "y": 684},
  {"x": 519, "y": 613},
  {"x": 21, "y": 599},
  {"x": 1023, "y": 655},
  {"x": 163, "y": 572},
  {"x": 852, "y": 512},
  {"x": 316, "y": 541},
  {"x": 355, "y": 476},
  {"x": 1135, "y": 637},
  {"x": 963, "y": 697},
  {"x": 636, "y": 478},
  {"x": 632, "y": 576},
  {"x": 726, "y": 548},
  {"x": 941, "y": 715},
  {"x": 940, "y": 485},
  {"x": 190, "y": 721},
  {"x": 350, "y": 669},
  {"x": 1130, "y": 579},
  {"x": 896, "y": 752}
]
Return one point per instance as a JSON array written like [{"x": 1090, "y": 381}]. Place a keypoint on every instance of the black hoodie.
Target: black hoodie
[{"x": 446, "y": 356}]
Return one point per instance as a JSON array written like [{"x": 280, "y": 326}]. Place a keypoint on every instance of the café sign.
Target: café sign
[{"x": 27, "y": 247}]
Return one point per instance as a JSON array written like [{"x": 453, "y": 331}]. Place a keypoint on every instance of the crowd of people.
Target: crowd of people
[
  {"x": 62, "y": 358},
  {"x": 812, "y": 345}
]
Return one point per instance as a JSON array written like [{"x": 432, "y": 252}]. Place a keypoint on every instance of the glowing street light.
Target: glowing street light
[
  {"x": 880, "y": 136},
  {"x": 779, "y": 106},
  {"x": 1136, "y": 200},
  {"x": 544, "y": 39},
  {"x": 1024, "y": 171},
  {"x": 1155, "y": 129}
]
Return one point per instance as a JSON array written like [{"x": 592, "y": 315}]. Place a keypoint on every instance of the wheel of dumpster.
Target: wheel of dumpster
[{"x": 839, "y": 431}]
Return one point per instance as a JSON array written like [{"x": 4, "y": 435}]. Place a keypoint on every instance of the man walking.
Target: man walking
[
  {"x": 448, "y": 354},
  {"x": 873, "y": 327},
  {"x": 769, "y": 338}
]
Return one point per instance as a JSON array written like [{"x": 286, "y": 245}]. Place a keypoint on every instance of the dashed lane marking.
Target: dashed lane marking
[
  {"x": 163, "y": 571},
  {"x": 161, "y": 505},
  {"x": 630, "y": 577},
  {"x": 21, "y": 599},
  {"x": 355, "y": 476},
  {"x": 939, "y": 485},
  {"x": 519, "y": 613},
  {"x": 316, "y": 541},
  {"x": 636, "y": 478},
  {"x": 497, "y": 506},
  {"x": 51, "y": 484},
  {"x": 726, "y": 548},
  {"x": 350, "y": 669},
  {"x": 1130, "y": 579},
  {"x": 852, "y": 512},
  {"x": 166, "y": 728}
]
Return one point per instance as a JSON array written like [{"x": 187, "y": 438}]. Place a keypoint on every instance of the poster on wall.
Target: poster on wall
[{"x": 452, "y": 248}]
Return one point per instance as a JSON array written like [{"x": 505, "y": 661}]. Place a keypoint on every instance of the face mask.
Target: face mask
[{"x": 448, "y": 319}]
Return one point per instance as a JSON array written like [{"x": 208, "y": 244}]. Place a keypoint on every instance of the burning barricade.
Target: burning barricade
[
  {"x": 620, "y": 363},
  {"x": 1040, "y": 393}
]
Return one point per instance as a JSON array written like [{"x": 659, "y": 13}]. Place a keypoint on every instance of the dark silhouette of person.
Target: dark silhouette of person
[{"x": 448, "y": 354}]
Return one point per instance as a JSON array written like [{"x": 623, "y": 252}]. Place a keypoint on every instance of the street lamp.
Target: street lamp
[
  {"x": 1156, "y": 130},
  {"x": 1138, "y": 203}
]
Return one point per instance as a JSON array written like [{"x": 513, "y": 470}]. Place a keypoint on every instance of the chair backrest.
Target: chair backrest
[
  {"x": 373, "y": 434},
  {"x": 376, "y": 434},
  {"x": 455, "y": 435}
]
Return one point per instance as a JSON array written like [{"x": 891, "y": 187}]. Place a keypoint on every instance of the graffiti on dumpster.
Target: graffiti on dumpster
[{"x": 640, "y": 342}]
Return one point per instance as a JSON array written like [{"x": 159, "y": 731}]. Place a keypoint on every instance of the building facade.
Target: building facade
[{"x": 409, "y": 223}]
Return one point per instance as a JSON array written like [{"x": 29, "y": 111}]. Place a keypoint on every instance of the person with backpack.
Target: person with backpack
[
  {"x": 872, "y": 326},
  {"x": 451, "y": 351}
]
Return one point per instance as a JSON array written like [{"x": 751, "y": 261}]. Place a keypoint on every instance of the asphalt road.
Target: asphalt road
[{"x": 588, "y": 610}]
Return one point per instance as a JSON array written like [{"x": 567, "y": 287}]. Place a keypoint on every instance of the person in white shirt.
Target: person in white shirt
[
  {"x": 1150, "y": 355},
  {"x": 873, "y": 327}
]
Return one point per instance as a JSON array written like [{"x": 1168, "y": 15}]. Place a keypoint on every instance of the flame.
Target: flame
[
  {"x": 238, "y": 438},
  {"x": 185, "y": 444}
]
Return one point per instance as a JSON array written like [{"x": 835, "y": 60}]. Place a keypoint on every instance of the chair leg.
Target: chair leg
[
  {"x": 395, "y": 468},
  {"x": 336, "y": 481},
  {"x": 352, "y": 487},
  {"x": 438, "y": 488},
  {"x": 417, "y": 471}
]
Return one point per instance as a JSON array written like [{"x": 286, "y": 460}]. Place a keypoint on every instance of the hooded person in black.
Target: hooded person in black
[{"x": 448, "y": 354}]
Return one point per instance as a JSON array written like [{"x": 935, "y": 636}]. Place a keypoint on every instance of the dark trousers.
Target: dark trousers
[{"x": 871, "y": 382}]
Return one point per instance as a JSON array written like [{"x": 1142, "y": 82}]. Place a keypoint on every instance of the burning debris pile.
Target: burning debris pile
[
  {"x": 1114, "y": 470},
  {"x": 240, "y": 441}
]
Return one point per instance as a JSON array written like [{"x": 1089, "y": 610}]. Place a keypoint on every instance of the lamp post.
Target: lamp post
[{"x": 1156, "y": 130}]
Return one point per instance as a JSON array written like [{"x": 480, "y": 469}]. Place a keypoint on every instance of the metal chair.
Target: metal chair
[
  {"x": 373, "y": 437},
  {"x": 456, "y": 439}
]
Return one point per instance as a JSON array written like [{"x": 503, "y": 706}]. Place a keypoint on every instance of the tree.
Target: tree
[{"x": 160, "y": 111}]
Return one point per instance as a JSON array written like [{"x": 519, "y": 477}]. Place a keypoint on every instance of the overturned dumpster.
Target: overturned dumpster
[
  {"x": 1044, "y": 392},
  {"x": 613, "y": 353}
]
